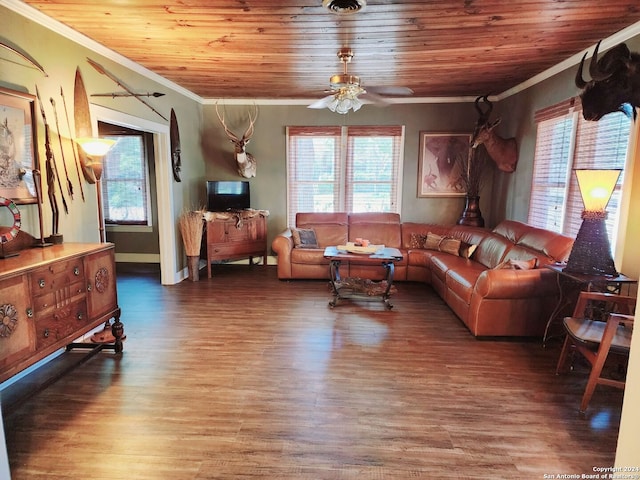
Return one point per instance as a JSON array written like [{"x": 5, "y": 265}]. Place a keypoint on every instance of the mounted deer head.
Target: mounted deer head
[
  {"x": 504, "y": 152},
  {"x": 246, "y": 162}
]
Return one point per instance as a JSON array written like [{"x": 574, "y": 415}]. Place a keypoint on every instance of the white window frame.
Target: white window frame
[
  {"x": 342, "y": 180},
  {"x": 147, "y": 224}
]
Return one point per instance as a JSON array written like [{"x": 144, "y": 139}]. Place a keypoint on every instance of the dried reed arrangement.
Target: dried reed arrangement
[
  {"x": 191, "y": 225},
  {"x": 471, "y": 170}
]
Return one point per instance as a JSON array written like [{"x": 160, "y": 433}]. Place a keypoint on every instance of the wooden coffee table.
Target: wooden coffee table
[{"x": 358, "y": 288}]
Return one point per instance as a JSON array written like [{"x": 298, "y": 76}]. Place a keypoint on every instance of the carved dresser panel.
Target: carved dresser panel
[{"x": 51, "y": 296}]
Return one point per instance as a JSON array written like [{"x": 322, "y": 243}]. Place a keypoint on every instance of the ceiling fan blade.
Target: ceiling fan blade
[
  {"x": 374, "y": 98},
  {"x": 390, "y": 90},
  {"x": 322, "y": 103}
]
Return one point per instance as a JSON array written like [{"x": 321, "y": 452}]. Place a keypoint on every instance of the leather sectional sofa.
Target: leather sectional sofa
[{"x": 503, "y": 289}]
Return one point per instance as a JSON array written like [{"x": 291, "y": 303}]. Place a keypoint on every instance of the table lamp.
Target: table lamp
[
  {"x": 96, "y": 149},
  {"x": 591, "y": 252}
]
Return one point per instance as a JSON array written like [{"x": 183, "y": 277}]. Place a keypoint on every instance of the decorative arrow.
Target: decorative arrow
[
  {"x": 101, "y": 70},
  {"x": 127, "y": 94},
  {"x": 22, "y": 54}
]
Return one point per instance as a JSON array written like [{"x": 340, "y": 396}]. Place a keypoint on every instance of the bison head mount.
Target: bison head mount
[{"x": 614, "y": 84}]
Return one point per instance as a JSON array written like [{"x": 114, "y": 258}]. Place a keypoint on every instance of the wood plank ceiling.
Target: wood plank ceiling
[{"x": 266, "y": 49}]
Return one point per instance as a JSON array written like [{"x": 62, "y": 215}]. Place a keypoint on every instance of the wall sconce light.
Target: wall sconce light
[
  {"x": 591, "y": 252},
  {"x": 96, "y": 149}
]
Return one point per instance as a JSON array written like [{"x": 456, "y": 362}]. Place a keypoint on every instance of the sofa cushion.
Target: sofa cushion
[
  {"x": 461, "y": 278},
  {"x": 419, "y": 257},
  {"x": 304, "y": 238},
  {"x": 554, "y": 245},
  {"x": 331, "y": 228},
  {"x": 309, "y": 256},
  {"x": 378, "y": 228},
  {"x": 491, "y": 250},
  {"x": 512, "y": 230}
]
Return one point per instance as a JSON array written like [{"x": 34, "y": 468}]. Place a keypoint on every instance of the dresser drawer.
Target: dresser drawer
[
  {"x": 48, "y": 301},
  {"x": 241, "y": 248},
  {"x": 66, "y": 321},
  {"x": 56, "y": 276}
]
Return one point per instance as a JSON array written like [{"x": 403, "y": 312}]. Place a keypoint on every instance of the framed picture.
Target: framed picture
[
  {"x": 439, "y": 167},
  {"x": 18, "y": 149}
]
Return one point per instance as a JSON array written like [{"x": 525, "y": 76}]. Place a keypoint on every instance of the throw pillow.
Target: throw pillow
[
  {"x": 467, "y": 249},
  {"x": 304, "y": 238},
  {"x": 450, "y": 245},
  {"x": 417, "y": 240},
  {"x": 442, "y": 244},
  {"x": 432, "y": 242},
  {"x": 518, "y": 264}
]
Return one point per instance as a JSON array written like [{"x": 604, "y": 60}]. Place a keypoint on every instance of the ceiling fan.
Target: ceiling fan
[{"x": 346, "y": 90}]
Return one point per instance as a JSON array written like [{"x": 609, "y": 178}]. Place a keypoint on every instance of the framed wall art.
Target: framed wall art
[
  {"x": 439, "y": 165},
  {"x": 18, "y": 139}
]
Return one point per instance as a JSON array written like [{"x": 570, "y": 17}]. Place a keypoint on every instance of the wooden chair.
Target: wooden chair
[{"x": 601, "y": 324}]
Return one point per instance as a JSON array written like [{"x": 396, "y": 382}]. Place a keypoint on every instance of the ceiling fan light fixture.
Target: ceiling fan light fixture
[
  {"x": 344, "y": 6},
  {"x": 345, "y": 99},
  {"x": 341, "y": 81}
]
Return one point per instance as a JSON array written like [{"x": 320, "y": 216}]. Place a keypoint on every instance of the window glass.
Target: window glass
[
  {"x": 125, "y": 178},
  {"x": 353, "y": 169}
]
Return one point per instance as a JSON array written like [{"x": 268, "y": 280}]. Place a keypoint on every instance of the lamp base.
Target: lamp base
[{"x": 591, "y": 252}]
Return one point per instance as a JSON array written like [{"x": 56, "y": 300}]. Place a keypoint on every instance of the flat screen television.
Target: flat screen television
[{"x": 227, "y": 195}]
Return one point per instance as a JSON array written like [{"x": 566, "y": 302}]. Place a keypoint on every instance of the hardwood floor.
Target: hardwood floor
[{"x": 244, "y": 376}]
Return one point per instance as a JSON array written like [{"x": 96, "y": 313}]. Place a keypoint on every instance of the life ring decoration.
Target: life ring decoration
[{"x": 13, "y": 231}]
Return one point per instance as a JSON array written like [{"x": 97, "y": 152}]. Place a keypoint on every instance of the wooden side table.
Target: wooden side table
[
  {"x": 570, "y": 284},
  {"x": 234, "y": 236},
  {"x": 356, "y": 288}
]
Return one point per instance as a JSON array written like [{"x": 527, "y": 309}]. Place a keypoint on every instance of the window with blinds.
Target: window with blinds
[
  {"x": 125, "y": 188},
  {"x": 352, "y": 169},
  {"x": 566, "y": 141}
]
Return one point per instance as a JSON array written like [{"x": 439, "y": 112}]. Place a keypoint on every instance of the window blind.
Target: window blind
[
  {"x": 313, "y": 171},
  {"x": 372, "y": 168},
  {"x": 554, "y": 145},
  {"x": 125, "y": 177},
  {"x": 564, "y": 142},
  {"x": 353, "y": 169},
  {"x": 603, "y": 145}
]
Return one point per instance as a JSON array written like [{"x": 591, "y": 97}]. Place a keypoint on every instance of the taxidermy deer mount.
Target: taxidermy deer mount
[
  {"x": 246, "y": 162},
  {"x": 504, "y": 152}
]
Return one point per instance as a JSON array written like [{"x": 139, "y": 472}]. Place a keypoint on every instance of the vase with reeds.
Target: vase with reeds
[
  {"x": 191, "y": 225},
  {"x": 472, "y": 168}
]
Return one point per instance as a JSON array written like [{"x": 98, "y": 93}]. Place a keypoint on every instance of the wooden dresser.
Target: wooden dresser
[
  {"x": 51, "y": 296},
  {"x": 233, "y": 237}
]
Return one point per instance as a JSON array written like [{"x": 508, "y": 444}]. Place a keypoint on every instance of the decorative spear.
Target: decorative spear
[
  {"x": 101, "y": 70},
  {"x": 73, "y": 144},
  {"x": 128, "y": 94},
  {"x": 51, "y": 172}
]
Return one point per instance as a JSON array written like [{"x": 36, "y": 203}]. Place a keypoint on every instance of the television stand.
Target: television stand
[{"x": 235, "y": 235}]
